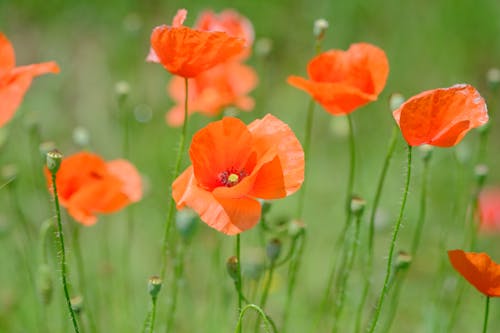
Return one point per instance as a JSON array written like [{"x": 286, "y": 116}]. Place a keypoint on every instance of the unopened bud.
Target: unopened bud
[
  {"x": 357, "y": 206},
  {"x": 320, "y": 27},
  {"x": 395, "y": 101},
  {"x": 403, "y": 260},
  {"x": 232, "y": 267},
  {"x": 426, "y": 151},
  {"x": 81, "y": 136},
  {"x": 273, "y": 249},
  {"x": 481, "y": 172},
  {"x": 263, "y": 46},
  {"x": 77, "y": 304},
  {"x": 296, "y": 227},
  {"x": 154, "y": 286},
  {"x": 44, "y": 283},
  {"x": 493, "y": 78},
  {"x": 122, "y": 89},
  {"x": 54, "y": 159},
  {"x": 186, "y": 222}
]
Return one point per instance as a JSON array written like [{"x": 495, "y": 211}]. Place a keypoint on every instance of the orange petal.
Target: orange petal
[
  {"x": 243, "y": 214},
  {"x": 130, "y": 177},
  {"x": 222, "y": 145},
  {"x": 7, "y": 55},
  {"x": 477, "y": 268},
  {"x": 271, "y": 133},
  {"x": 179, "y": 18},
  {"x": 186, "y": 192},
  {"x": 489, "y": 209},
  {"x": 441, "y": 117},
  {"x": 11, "y": 97}
]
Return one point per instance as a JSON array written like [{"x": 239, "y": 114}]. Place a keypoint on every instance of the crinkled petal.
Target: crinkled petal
[{"x": 130, "y": 177}]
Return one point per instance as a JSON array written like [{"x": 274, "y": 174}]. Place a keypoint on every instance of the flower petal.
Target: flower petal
[
  {"x": 478, "y": 269},
  {"x": 130, "y": 177},
  {"x": 7, "y": 55}
]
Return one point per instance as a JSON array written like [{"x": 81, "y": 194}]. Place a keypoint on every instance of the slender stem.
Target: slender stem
[
  {"x": 171, "y": 206},
  {"x": 153, "y": 314},
  {"x": 307, "y": 153},
  {"x": 239, "y": 282},
  {"x": 60, "y": 236},
  {"x": 265, "y": 292},
  {"x": 486, "y": 313},
  {"x": 270, "y": 326},
  {"x": 179, "y": 268},
  {"x": 351, "y": 257},
  {"x": 388, "y": 273}
]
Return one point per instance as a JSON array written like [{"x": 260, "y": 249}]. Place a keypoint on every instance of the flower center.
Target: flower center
[{"x": 231, "y": 177}]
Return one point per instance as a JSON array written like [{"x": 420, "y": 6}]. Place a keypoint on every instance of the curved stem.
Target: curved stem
[
  {"x": 265, "y": 292},
  {"x": 267, "y": 320},
  {"x": 60, "y": 236},
  {"x": 389, "y": 268},
  {"x": 486, "y": 312}
]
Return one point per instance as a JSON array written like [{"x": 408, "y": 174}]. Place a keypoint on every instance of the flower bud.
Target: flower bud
[
  {"x": 403, "y": 261},
  {"x": 481, "y": 172},
  {"x": 186, "y": 222},
  {"x": 357, "y": 206},
  {"x": 232, "y": 267},
  {"x": 44, "y": 283},
  {"x": 54, "y": 159},
  {"x": 122, "y": 89},
  {"x": 295, "y": 228},
  {"x": 426, "y": 151},
  {"x": 273, "y": 249},
  {"x": 320, "y": 27},
  {"x": 77, "y": 304},
  {"x": 395, "y": 101},
  {"x": 263, "y": 46},
  {"x": 81, "y": 136},
  {"x": 493, "y": 78},
  {"x": 154, "y": 286}
]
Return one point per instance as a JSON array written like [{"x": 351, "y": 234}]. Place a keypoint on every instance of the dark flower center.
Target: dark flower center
[{"x": 231, "y": 177}]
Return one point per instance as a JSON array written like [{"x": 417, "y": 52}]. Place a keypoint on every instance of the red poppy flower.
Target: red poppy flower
[
  {"x": 489, "y": 209},
  {"x": 188, "y": 52},
  {"x": 231, "y": 22},
  {"x": 342, "y": 81},
  {"x": 233, "y": 165},
  {"x": 210, "y": 92},
  {"x": 477, "y": 268},
  {"x": 88, "y": 185},
  {"x": 15, "y": 81},
  {"x": 441, "y": 117}
]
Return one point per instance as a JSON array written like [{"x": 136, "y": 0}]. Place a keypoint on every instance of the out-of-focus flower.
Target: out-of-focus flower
[
  {"x": 188, "y": 52},
  {"x": 88, "y": 185},
  {"x": 233, "y": 165},
  {"x": 477, "y": 268},
  {"x": 15, "y": 81},
  {"x": 441, "y": 117},
  {"x": 342, "y": 81},
  {"x": 210, "y": 92},
  {"x": 489, "y": 209}
]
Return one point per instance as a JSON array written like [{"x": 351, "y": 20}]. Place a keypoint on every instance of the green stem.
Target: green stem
[
  {"x": 239, "y": 282},
  {"x": 270, "y": 326},
  {"x": 60, "y": 236},
  {"x": 153, "y": 314},
  {"x": 265, "y": 292},
  {"x": 171, "y": 206},
  {"x": 179, "y": 269},
  {"x": 351, "y": 257},
  {"x": 307, "y": 153},
  {"x": 486, "y": 312},
  {"x": 388, "y": 273}
]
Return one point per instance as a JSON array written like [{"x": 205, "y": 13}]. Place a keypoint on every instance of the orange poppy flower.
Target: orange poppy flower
[
  {"x": 477, "y": 268},
  {"x": 231, "y": 22},
  {"x": 489, "y": 209},
  {"x": 210, "y": 92},
  {"x": 188, "y": 52},
  {"x": 342, "y": 81},
  {"x": 233, "y": 165},
  {"x": 441, "y": 117},
  {"x": 15, "y": 81},
  {"x": 88, "y": 185}
]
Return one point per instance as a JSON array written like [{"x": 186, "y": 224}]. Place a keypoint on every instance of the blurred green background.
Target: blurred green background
[{"x": 429, "y": 44}]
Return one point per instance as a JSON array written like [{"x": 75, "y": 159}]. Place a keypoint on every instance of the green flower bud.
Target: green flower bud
[
  {"x": 296, "y": 227},
  {"x": 232, "y": 267},
  {"x": 395, "y": 101},
  {"x": 481, "y": 172},
  {"x": 357, "y": 206},
  {"x": 426, "y": 151},
  {"x": 403, "y": 260},
  {"x": 77, "y": 304},
  {"x": 54, "y": 159},
  {"x": 154, "y": 286},
  {"x": 320, "y": 27},
  {"x": 186, "y": 222},
  {"x": 273, "y": 249}
]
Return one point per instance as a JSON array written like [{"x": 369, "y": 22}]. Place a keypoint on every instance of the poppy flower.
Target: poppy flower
[
  {"x": 233, "y": 165},
  {"x": 441, "y": 117},
  {"x": 188, "y": 52},
  {"x": 15, "y": 81},
  {"x": 477, "y": 268},
  {"x": 210, "y": 92},
  {"x": 231, "y": 22},
  {"x": 88, "y": 185},
  {"x": 489, "y": 209},
  {"x": 342, "y": 81}
]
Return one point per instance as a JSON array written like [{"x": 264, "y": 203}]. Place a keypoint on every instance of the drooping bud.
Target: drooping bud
[
  {"x": 426, "y": 151},
  {"x": 395, "y": 101},
  {"x": 77, "y": 304},
  {"x": 186, "y": 222},
  {"x": 320, "y": 27},
  {"x": 44, "y": 283},
  {"x": 403, "y": 260},
  {"x": 122, "y": 89},
  {"x": 357, "y": 206},
  {"x": 232, "y": 267},
  {"x": 154, "y": 286},
  {"x": 273, "y": 249},
  {"x": 481, "y": 172},
  {"x": 296, "y": 227},
  {"x": 54, "y": 159}
]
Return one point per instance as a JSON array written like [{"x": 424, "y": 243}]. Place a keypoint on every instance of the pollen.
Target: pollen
[{"x": 233, "y": 179}]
